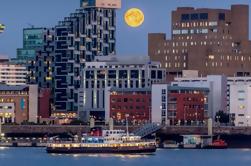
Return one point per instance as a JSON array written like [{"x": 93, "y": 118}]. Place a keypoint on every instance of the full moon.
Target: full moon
[{"x": 134, "y": 17}]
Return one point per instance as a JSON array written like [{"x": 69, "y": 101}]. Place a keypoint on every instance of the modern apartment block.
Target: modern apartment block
[
  {"x": 34, "y": 39},
  {"x": 12, "y": 74},
  {"x": 114, "y": 72},
  {"x": 83, "y": 35},
  {"x": 212, "y": 41},
  {"x": 41, "y": 67}
]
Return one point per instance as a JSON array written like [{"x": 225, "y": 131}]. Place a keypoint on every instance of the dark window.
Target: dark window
[
  {"x": 194, "y": 16},
  {"x": 89, "y": 74},
  {"x": 134, "y": 74},
  {"x": 222, "y": 16},
  {"x": 159, "y": 74},
  {"x": 122, "y": 74},
  {"x": 184, "y": 17},
  {"x": 112, "y": 74},
  {"x": 153, "y": 74},
  {"x": 204, "y": 16},
  {"x": 101, "y": 74}
]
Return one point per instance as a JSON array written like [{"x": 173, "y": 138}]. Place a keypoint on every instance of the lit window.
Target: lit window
[{"x": 211, "y": 57}]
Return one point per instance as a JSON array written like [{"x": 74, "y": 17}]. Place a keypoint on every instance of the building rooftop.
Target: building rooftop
[
  {"x": 4, "y": 87},
  {"x": 188, "y": 88},
  {"x": 130, "y": 89},
  {"x": 122, "y": 60}
]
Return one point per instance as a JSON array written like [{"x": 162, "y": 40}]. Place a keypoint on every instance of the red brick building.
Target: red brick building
[
  {"x": 186, "y": 107},
  {"x": 136, "y": 103},
  {"x": 44, "y": 103}
]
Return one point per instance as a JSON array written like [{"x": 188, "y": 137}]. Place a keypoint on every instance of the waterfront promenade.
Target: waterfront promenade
[{"x": 76, "y": 129}]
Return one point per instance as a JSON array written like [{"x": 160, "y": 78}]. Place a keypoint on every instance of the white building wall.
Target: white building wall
[
  {"x": 240, "y": 105},
  {"x": 157, "y": 102},
  {"x": 33, "y": 103}
]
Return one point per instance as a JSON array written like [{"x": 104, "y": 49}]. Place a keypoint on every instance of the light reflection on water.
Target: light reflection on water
[
  {"x": 163, "y": 157},
  {"x": 122, "y": 156},
  {"x": 3, "y": 148}
]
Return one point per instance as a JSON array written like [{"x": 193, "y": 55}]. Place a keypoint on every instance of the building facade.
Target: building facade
[
  {"x": 12, "y": 74},
  {"x": 239, "y": 96},
  {"x": 40, "y": 45},
  {"x": 18, "y": 103},
  {"x": 174, "y": 105},
  {"x": 114, "y": 72},
  {"x": 131, "y": 104},
  {"x": 217, "y": 86},
  {"x": 83, "y": 35},
  {"x": 211, "y": 37},
  {"x": 34, "y": 39}
]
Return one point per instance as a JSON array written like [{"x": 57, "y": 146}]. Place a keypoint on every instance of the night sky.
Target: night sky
[{"x": 19, "y": 14}]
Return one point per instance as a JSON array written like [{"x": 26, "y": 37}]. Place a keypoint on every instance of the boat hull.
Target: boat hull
[{"x": 92, "y": 150}]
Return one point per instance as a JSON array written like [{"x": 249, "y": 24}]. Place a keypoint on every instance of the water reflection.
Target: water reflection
[
  {"x": 3, "y": 148},
  {"x": 122, "y": 156}
]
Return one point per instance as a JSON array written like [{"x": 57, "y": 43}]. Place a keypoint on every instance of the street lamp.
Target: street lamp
[
  {"x": 218, "y": 119},
  {"x": 247, "y": 119},
  {"x": 127, "y": 130}
]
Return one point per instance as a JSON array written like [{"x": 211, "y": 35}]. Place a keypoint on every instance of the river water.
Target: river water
[{"x": 38, "y": 157}]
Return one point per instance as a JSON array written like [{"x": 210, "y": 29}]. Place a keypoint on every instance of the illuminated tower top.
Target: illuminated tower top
[
  {"x": 2, "y": 28},
  {"x": 114, "y": 4}
]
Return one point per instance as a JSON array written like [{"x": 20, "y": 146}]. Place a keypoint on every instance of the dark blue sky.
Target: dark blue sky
[{"x": 17, "y": 14}]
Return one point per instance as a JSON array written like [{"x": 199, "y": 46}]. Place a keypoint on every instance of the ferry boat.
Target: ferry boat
[{"x": 111, "y": 141}]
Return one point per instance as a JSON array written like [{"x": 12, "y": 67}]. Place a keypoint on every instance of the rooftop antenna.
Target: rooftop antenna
[{"x": 30, "y": 25}]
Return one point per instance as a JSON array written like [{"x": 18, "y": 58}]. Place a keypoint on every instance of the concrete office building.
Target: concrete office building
[
  {"x": 12, "y": 74},
  {"x": 239, "y": 97},
  {"x": 217, "y": 86},
  {"x": 212, "y": 41},
  {"x": 114, "y": 72},
  {"x": 79, "y": 38}
]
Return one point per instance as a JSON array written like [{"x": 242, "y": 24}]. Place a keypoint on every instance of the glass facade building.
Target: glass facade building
[{"x": 33, "y": 39}]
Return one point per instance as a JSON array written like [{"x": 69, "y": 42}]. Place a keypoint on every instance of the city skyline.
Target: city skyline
[{"x": 15, "y": 25}]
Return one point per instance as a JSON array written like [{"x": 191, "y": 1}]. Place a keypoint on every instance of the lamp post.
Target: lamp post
[
  {"x": 196, "y": 114},
  {"x": 218, "y": 119},
  {"x": 185, "y": 115},
  {"x": 127, "y": 130},
  {"x": 247, "y": 120}
]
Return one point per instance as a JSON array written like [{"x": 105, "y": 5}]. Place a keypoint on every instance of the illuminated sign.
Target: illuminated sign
[
  {"x": 116, "y": 4},
  {"x": 108, "y": 3},
  {"x": 22, "y": 104}
]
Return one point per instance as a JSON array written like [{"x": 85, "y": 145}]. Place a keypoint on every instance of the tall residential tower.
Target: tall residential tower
[{"x": 83, "y": 35}]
